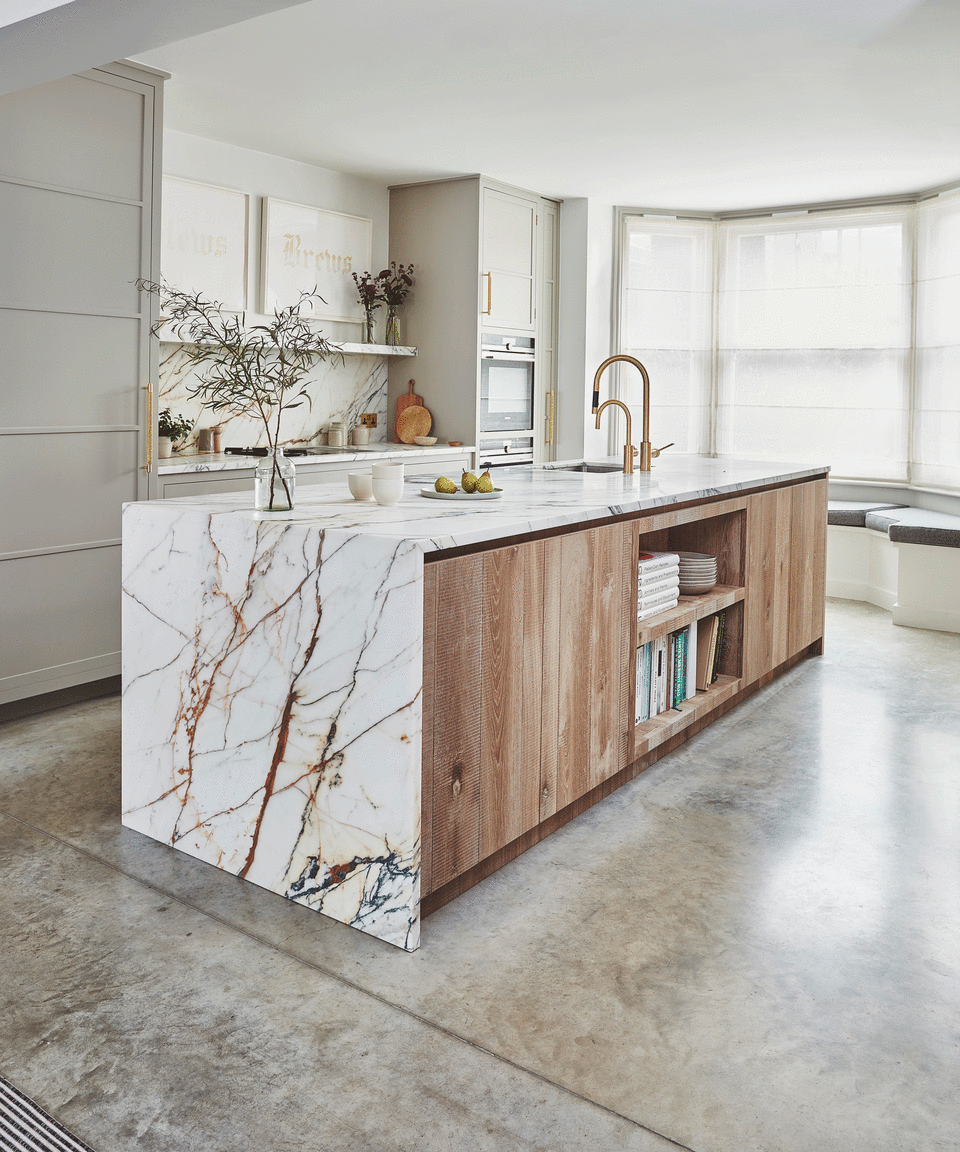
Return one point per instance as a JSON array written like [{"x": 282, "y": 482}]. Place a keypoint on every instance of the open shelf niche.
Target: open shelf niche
[{"x": 723, "y": 536}]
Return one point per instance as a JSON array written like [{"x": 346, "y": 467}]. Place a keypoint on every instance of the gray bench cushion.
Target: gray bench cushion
[
  {"x": 918, "y": 526},
  {"x": 852, "y": 513}
]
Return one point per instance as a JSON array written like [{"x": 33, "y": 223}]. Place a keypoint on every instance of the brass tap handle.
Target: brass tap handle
[{"x": 657, "y": 451}]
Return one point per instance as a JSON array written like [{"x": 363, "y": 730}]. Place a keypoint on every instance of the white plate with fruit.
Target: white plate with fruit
[{"x": 470, "y": 488}]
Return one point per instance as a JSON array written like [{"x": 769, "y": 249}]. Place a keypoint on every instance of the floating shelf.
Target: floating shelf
[{"x": 376, "y": 349}]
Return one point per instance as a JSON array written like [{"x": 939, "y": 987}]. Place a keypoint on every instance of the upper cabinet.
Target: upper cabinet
[
  {"x": 486, "y": 260},
  {"x": 508, "y": 293}
]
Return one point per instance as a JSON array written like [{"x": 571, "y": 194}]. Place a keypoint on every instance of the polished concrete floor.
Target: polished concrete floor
[{"x": 753, "y": 947}]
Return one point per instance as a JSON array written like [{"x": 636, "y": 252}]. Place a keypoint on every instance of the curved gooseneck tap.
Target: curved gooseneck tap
[{"x": 647, "y": 451}]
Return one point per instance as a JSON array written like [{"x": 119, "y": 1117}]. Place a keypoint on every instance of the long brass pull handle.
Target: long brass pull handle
[
  {"x": 489, "y": 309},
  {"x": 550, "y": 411},
  {"x": 148, "y": 388}
]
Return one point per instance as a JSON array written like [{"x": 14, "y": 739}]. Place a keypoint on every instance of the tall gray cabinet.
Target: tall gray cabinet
[
  {"x": 486, "y": 259},
  {"x": 79, "y": 208}
]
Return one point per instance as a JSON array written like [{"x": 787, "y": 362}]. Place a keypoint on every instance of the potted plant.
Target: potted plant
[
  {"x": 395, "y": 282},
  {"x": 258, "y": 371},
  {"x": 171, "y": 432}
]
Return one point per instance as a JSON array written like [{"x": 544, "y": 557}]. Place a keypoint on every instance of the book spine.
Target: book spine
[
  {"x": 691, "y": 661},
  {"x": 657, "y": 598},
  {"x": 658, "y": 583},
  {"x": 652, "y": 561},
  {"x": 656, "y": 609}
]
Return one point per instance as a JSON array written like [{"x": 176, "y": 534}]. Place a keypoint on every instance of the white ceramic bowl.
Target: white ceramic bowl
[
  {"x": 424, "y": 441},
  {"x": 387, "y": 489},
  {"x": 361, "y": 485}
]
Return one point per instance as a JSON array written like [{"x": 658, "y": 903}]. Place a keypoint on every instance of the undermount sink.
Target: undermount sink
[{"x": 585, "y": 466}]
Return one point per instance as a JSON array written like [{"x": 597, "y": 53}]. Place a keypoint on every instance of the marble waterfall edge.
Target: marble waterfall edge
[{"x": 272, "y": 673}]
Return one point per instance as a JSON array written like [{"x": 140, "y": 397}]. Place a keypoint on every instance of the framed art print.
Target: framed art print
[
  {"x": 204, "y": 241},
  {"x": 306, "y": 248}
]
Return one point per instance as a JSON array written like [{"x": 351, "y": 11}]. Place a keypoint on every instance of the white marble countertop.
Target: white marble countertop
[
  {"x": 534, "y": 499},
  {"x": 218, "y": 462}
]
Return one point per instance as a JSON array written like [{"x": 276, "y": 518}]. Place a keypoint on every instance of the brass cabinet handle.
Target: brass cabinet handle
[
  {"x": 489, "y": 308},
  {"x": 457, "y": 785},
  {"x": 550, "y": 413},
  {"x": 148, "y": 388}
]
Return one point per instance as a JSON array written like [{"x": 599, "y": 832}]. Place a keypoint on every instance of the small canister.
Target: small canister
[
  {"x": 337, "y": 435},
  {"x": 217, "y": 431},
  {"x": 361, "y": 434},
  {"x": 205, "y": 440}
]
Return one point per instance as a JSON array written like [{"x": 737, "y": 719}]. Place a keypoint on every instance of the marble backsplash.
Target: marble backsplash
[{"x": 339, "y": 391}]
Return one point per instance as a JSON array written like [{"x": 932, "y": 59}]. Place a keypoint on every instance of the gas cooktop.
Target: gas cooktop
[{"x": 309, "y": 450}]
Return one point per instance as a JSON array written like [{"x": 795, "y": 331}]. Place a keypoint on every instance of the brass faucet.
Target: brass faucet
[
  {"x": 647, "y": 451},
  {"x": 628, "y": 449}
]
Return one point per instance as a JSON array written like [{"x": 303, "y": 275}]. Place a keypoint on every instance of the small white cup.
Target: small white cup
[
  {"x": 361, "y": 485},
  {"x": 387, "y": 489},
  {"x": 387, "y": 469}
]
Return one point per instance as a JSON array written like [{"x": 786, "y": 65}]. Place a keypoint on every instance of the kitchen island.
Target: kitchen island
[{"x": 357, "y": 706}]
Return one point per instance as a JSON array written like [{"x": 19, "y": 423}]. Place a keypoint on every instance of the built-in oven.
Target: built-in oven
[{"x": 506, "y": 398}]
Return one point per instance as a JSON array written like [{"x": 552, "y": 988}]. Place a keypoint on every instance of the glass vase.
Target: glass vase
[
  {"x": 369, "y": 336},
  {"x": 274, "y": 483},
  {"x": 393, "y": 326}
]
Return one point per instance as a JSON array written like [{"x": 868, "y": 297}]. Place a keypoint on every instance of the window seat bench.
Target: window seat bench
[{"x": 903, "y": 559}]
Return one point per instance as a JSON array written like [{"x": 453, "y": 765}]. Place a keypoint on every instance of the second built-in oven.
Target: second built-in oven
[{"x": 507, "y": 394}]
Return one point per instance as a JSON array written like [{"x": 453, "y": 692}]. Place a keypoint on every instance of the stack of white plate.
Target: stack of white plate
[{"x": 698, "y": 572}]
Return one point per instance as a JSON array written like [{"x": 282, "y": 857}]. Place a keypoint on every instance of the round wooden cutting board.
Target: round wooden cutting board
[{"x": 413, "y": 421}]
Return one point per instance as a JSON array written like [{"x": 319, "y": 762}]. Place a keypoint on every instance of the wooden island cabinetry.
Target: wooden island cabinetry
[{"x": 530, "y": 664}]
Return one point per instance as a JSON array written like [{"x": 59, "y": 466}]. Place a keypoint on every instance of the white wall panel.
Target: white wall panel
[
  {"x": 68, "y": 253},
  {"x": 88, "y": 127},
  {"x": 73, "y": 486},
  {"x": 63, "y": 609},
  {"x": 62, "y": 370}
]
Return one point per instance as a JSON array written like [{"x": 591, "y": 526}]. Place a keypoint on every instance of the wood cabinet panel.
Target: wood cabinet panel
[
  {"x": 590, "y": 586},
  {"x": 456, "y": 720},
  {"x": 784, "y": 575},
  {"x": 510, "y": 694}
]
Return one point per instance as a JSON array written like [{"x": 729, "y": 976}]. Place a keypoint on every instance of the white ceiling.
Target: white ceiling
[{"x": 698, "y": 104}]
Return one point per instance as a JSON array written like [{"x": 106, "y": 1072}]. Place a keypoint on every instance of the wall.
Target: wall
[
  {"x": 338, "y": 391},
  {"x": 586, "y": 328}
]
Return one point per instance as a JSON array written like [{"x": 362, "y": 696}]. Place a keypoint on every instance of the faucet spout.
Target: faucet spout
[
  {"x": 647, "y": 451},
  {"x": 628, "y": 449}
]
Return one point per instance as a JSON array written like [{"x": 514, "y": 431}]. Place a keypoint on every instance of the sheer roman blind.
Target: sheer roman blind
[
  {"x": 936, "y": 427},
  {"x": 666, "y": 322},
  {"x": 814, "y": 349},
  {"x": 828, "y": 337}
]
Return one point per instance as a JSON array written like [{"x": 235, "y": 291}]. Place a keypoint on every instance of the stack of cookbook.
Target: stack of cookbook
[{"x": 658, "y": 583}]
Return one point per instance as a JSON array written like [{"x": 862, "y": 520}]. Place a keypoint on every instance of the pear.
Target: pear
[
  {"x": 468, "y": 482},
  {"x": 484, "y": 482},
  {"x": 444, "y": 484}
]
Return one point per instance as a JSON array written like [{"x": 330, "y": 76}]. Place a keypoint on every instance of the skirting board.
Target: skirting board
[{"x": 42, "y": 680}]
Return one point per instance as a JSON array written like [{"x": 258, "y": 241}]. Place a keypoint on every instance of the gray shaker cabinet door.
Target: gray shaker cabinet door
[{"x": 77, "y": 227}]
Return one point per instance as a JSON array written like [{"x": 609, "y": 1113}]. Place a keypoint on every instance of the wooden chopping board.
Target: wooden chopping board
[
  {"x": 413, "y": 421},
  {"x": 411, "y": 400}
]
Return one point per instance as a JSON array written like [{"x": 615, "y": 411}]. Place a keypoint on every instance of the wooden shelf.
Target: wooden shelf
[
  {"x": 654, "y": 731},
  {"x": 689, "y": 609}
]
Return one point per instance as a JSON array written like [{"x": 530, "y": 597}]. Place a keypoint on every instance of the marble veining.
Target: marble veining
[
  {"x": 337, "y": 391},
  {"x": 272, "y": 708},
  {"x": 272, "y": 671}
]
